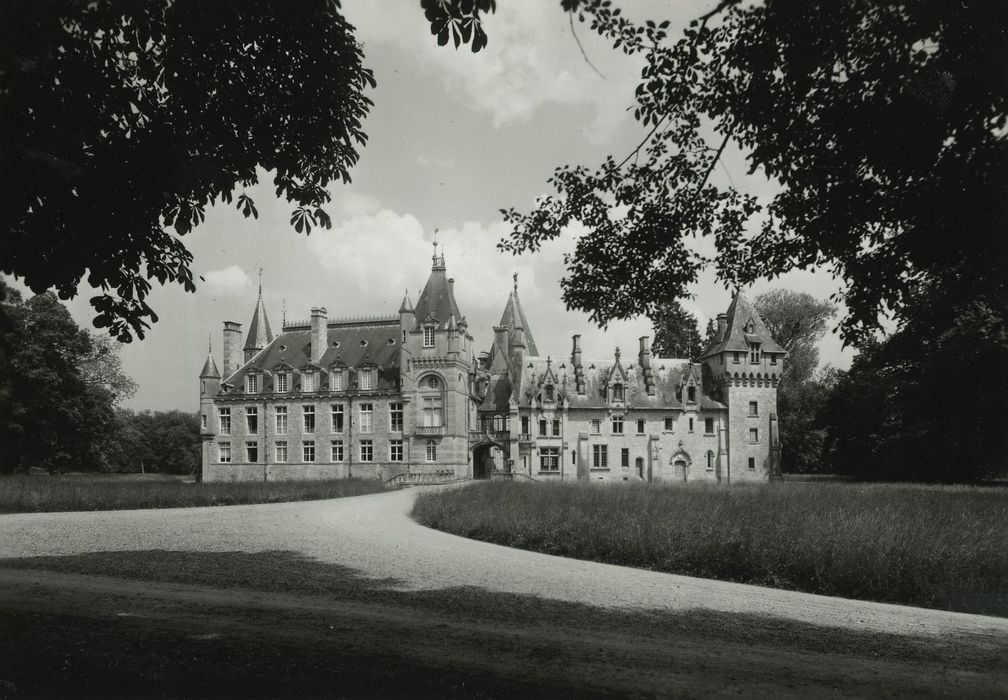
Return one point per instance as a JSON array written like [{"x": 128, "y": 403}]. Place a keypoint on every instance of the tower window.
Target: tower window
[
  {"x": 753, "y": 436},
  {"x": 754, "y": 353},
  {"x": 735, "y": 357},
  {"x": 710, "y": 461},
  {"x": 433, "y": 382},
  {"x": 640, "y": 427},
  {"x": 753, "y": 408},
  {"x": 428, "y": 336},
  {"x": 708, "y": 426},
  {"x": 752, "y": 464}
]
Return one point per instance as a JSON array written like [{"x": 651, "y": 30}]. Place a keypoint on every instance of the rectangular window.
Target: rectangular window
[
  {"x": 542, "y": 427},
  {"x": 556, "y": 428},
  {"x": 753, "y": 408},
  {"x": 773, "y": 358},
  {"x": 281, "y": 381},
  {"x": 691, "y": 393},
  {"x": 252, "y": 452},
  {"x": 640, "y": 427},
  {"x": 754, "y": 353},
  {"x": 735, "y": 357},
  {"x": 617, "y": 425},
  {"x": 617, "y": 393},
  {"x": 525, "y": 425},
  {"x": 203, "y": 421},
  {"x": 600, "y": 456},
  {"x": 708, "y": 426},
  {"x": 308, "y": 413},
  {"x": 337, "y": 417},
  {"x": 670, "y": 424},
  {"x": 366, "y": 379},
  {"x": 251, "y": 383},
  {"x": 252, "y": 419},
  {"x": 753, "y": 436},
  {"x": 625, "y": 458},
  {"x": 224, "y": 452},
  {"x": 366, "y": 451},
  {"x": 752, "y": 464},
  {"x": 548, "y": 393},
  {"x": 395, "y": 451},
  {"x": 308, "y": 381},
  {"x": 549, "y": 459},
  {"x": 691, "y": 425},
  {"x": 281, "y": 451},
  {"x": 596, "y": 426},
  {"x": 336, "y": 451},
  {"x": 225, "y": 420},
  {"x": 432, "y": 413},
  {"x": 367, "y": 418},
  {"x": 573, "y": 457},
  {"x": 395, "y": 417},
  {"x": 336, "y": 381},
  {"x": 281, "y": 420},
  {"x": 428, "y": 336},
  {"x": 308, "y": 451},
  {"x": 498, "y": 423}
]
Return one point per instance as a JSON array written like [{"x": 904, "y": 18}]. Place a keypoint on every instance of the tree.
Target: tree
[
  {"x": 676, "y": 333},
  {"x": 158, "y": 441},
  {"x": 102, "y": 367},
  {"x": 124, "y": 120},
  {"x": 50, "y": 416},
  {"x": 925, "y": 404},
  {"x": 882, "y": 124},
  {"x": 797, "y": 321}
]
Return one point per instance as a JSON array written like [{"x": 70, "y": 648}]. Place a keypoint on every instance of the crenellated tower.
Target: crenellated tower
[{"x": 743, "y": 366}]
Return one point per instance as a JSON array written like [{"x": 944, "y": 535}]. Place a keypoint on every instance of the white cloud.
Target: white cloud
[{"x": 230, "y": 280}]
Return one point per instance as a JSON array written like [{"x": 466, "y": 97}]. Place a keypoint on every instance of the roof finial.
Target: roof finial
[
  {"x": 434, "y": 242},
  {"x": 515, "y": 277},
  {"x": 260, "y": 281},
  {"x": 283, "y": 312},
  {"x": 209, "y": 344}
]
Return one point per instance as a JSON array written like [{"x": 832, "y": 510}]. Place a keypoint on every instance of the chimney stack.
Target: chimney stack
[
  {"x": 722, "y": 326},
  {"x": 319, "y": 333},
  {"x": 644, "y": 358},
  {"x": 579, "y": 381},
  {"x": 232, "y": 347}
]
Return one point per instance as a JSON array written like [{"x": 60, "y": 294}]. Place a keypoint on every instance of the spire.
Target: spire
[
  {"x": 209, "y": 367},
  {"x": 407, "y": 306},
  {"x": 437, "y": 299},
  {"x": 259, "y": 333},
  {"x": 514, "y": 317}
]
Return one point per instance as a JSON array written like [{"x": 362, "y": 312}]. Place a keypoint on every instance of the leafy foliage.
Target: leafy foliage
[
  {"x": 676, "y": 333},
  {"x": 124, "y": 121},
  {"x": 102, "y": 367},
  {"x": 160, "y": 441},
  {"x": 927, "y": 403},
  {"x": 797, "y": 321},
  {"x": 882, "y": 123},
  {"x": 458, "y": 20},
  {"x": 51, "y": 415}
]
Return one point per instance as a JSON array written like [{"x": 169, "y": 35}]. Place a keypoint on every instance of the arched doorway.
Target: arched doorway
[
  {"x": 681, "y": 468},
  {"x": 484, "y": 461}
]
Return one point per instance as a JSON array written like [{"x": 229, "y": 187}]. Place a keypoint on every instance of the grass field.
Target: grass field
[
  {"x": 19, "y": 494},
  {"x": 940, "y": 547}
]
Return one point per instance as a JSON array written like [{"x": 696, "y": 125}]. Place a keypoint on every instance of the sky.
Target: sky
[{"x": 453, "y": 138}]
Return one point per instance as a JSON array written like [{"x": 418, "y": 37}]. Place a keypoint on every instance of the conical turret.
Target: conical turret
[{"x": 259, "y": 333}]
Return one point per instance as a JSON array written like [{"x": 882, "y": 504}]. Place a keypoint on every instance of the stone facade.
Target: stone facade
[{"x": 406, "y": 397}]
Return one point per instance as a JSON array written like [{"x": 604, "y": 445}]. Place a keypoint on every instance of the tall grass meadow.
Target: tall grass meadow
[{"x": 943, "y": 547}]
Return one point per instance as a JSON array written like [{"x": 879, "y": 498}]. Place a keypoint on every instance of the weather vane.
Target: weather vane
[
  {"x": 434, "y": 242},
  {"x": 260, "y": 280},
  {"x": 515, "y": 277}
]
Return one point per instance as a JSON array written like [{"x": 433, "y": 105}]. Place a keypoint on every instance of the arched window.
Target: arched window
[
  {"x": 710, "y": 461},
  {"x": 431, "y": 451},
  {"x": 432, "y": 402}
]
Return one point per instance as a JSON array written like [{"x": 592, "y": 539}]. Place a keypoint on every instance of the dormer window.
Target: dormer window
[
  {"x": 548, "y": 392},
  {"x": 366, "y": 380},
  {"x": 617, "y": 392},
  {"x": 251, "y": 383},
  {"x": 281, "y": 381},
  {"x": 428, "y": 336},
  {"x": 308, "y": 381},
  {"x": 754, "y": 353},
  {"x": 691, "y": 393},
  {"x": 336, "y": 380}
]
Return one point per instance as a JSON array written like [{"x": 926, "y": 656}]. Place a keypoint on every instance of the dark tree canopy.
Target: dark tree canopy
[
  {"x": 123, "y": 121},
  {"x": 883, "y": 123},
  {"x": 676, "y": 333}
]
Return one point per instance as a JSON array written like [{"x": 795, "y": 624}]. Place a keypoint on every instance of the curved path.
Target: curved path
[{"x": 375, "y": 536}]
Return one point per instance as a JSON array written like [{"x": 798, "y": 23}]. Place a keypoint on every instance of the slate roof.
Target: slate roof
[
  {"x": 740, "y": 312},
  {"x": 349, "y": 344},
  {"x": 437, "y": 299},
  {"x": 210, "y": 368},
  {"x": 514, "y": 317},
  {"x": 259, "y": 333}
]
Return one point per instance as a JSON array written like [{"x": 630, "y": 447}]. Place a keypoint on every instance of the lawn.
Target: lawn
[
  {"x": 19, "y": 494},
  {"x": 931, "y": 546}
]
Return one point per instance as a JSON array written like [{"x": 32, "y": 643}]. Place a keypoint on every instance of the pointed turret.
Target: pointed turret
[
  {"x": 209, "y": 368},
  {"x": 437, "y": 304},
  {"x": 407, "y": 306},
  {"x": 514, "y": 318},
  {"x": 259, "y": 333}
]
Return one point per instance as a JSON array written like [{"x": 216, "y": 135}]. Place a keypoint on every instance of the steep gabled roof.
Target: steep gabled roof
[
  {"x": 514, "y": 317},
  {"x": 744, "y": 326},
  {"x": 209, "y": 368},
  {"x": 259, "y": 333},
  {"x": 437, "y": 300}
]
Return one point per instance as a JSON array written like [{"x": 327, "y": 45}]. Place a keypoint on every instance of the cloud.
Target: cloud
[{"x": 230, "y": 280}]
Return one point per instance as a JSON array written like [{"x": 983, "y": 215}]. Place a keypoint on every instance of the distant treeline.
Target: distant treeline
[{"x": 151, "y": 441}]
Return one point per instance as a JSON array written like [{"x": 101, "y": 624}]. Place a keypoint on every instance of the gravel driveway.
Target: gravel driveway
[{"x": 375, "y": 536}]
